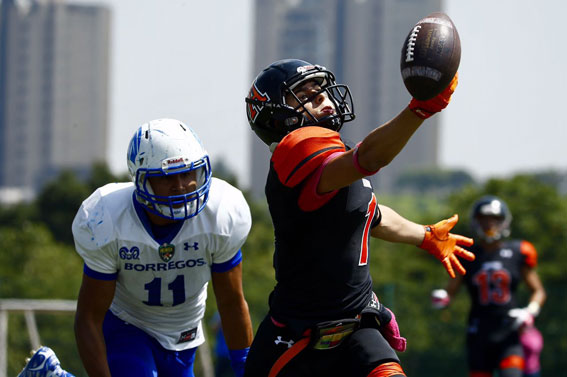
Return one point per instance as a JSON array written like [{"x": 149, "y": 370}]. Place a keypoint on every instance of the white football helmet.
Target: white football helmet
[{"x": 163, "y": 147}]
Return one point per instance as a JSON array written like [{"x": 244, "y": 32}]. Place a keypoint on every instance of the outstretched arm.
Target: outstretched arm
[
  {"x": 377, "y": 150},
  {"x": 383, "y": 144},
  {"x": 453, "y": 286},
  {"x": 395, "y": 228},
  {"x": 436, "y": 239},
  {"x": 524, "y": 317},
  {"x": 538, "y": 294},
  {"x": 95, "y": 297}
]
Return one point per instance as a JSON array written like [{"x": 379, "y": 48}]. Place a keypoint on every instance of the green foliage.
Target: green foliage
[
  {"x": 433, "y": 180},
  {"x": 222, "y": 171},
  {"x": 539, "y": 214},
  {"x": 34, "y": 265},
  {"x": 258, "y": 273},
  {"x": 59, "y": 200},
  {"x": 18, "y": 215},
  {"x": 101, "y": 175},
  {"x": 58, "y": 203}
]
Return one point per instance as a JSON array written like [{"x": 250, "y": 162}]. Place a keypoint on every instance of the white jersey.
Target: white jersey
[{"x": 161, "y": 290}]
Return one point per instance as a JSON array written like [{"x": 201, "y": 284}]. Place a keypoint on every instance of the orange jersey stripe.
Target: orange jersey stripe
[
  {"x": 480, "y": 374},
  {"x": 512, "y": 361},
  {"x": 309, "y": 199},
  {"x": 302, "y": 151},
  {"x": 528, "y": 249},
  {"x": 288, "y": 355},
  {"x": 387, "y": 370}
]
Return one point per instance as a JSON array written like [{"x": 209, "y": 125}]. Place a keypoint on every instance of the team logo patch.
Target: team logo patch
[
  {"x": 166, "y": 252},
  {"x": 187, "y": 336},
  {"x": 128, "y": 254},
  {"x": 256, "y": 107}
]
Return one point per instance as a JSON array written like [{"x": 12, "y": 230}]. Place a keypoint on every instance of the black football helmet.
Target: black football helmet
[
  {"x": 269, "y": 115},
  {"x": 491, "y": 206}
]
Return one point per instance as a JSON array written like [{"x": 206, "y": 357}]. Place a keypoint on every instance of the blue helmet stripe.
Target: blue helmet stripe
[{"x": 135, "y": 146}]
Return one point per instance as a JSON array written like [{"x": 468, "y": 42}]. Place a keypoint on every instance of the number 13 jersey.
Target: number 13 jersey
[{"x": 492, "y": 278}]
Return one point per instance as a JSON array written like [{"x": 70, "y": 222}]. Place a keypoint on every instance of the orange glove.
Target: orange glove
[
  {"x": 444, "y": 245},
  {"x": 425, "y": 109}
]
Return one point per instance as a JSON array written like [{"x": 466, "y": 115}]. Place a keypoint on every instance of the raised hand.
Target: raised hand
[
  {"x": 425, "y": 109},
  {"x": 446, "y": 246}
]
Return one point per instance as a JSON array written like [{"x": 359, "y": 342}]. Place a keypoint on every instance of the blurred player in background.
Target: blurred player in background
[
  {"x": 324, "y": 318},
  {"x": 150, "y": 248},
  {"x": 496, "y": 318}
]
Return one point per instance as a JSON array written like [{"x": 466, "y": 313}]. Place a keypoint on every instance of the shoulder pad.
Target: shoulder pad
[
  {"x": 530, "y": 253},
  {"x": 302, "y": 151},
  {"x": 93, "y": 226}
]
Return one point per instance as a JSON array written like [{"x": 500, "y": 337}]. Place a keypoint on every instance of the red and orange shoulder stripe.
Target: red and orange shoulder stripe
[
  {"x": 302, "y": 151},
  {"x": 530, "y": 253}
]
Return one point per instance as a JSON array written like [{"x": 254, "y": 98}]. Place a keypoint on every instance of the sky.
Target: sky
[
  {"x": 506, "y": 114},
  {"x": 191, "y": 60}
]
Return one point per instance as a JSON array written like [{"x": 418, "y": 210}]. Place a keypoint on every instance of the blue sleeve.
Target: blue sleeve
[
  {"x": 228, "y": 265},
  {"x": 98, "y": 275}
]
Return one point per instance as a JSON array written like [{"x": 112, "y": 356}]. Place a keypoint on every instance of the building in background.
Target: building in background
[
  {"x": 54, "y": 79},
  {"x": 361, "y": 42}
]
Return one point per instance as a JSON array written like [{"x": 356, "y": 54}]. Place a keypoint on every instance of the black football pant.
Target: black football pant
[{"x": 357, "y": 355}]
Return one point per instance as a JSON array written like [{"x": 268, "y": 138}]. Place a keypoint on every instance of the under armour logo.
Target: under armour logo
[
  {"x": 279, "y": 340},
  {"x": 194, "y": 246}
]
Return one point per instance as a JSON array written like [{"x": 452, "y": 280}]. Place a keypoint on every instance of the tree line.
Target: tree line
[{"x": 37, "y": 260}]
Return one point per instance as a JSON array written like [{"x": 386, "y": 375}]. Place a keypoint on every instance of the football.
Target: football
[{"x": 430, "y": 56}]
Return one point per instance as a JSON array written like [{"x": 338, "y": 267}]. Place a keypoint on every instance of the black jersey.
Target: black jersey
[
  {"x": 321, "y": 242},
  {"x": 492, "y": 278}
]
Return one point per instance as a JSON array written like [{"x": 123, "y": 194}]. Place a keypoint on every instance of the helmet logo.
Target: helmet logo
[
  {"x": 493, "y": 208},
  {"x": 174, "y": 160},
  {"x": 255, "y": 106},
  {"x": 174, "y": 163},
  {"x": 305, "y": 68}
]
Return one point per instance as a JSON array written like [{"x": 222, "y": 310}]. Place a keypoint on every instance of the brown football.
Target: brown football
[{"x": 430, "y": 56}]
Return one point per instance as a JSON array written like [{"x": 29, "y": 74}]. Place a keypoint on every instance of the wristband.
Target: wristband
[
  {"x": 357, "y": 164},
  {"x": 417, "y": 110},
  {"x": 238, "y": 359},
  {"x": 533, "y": 308}
]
